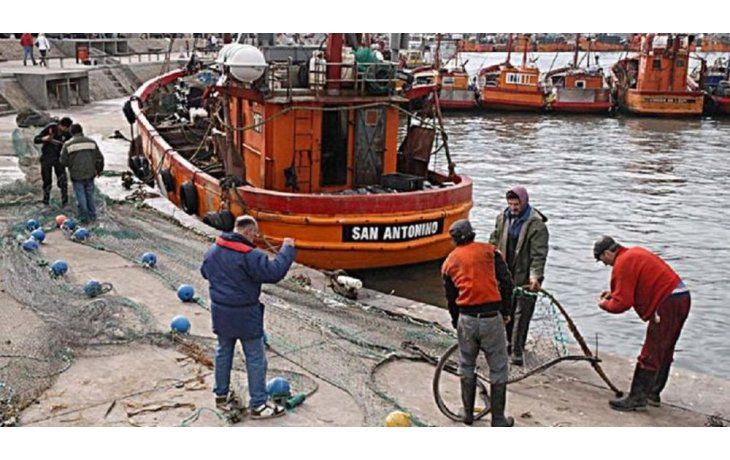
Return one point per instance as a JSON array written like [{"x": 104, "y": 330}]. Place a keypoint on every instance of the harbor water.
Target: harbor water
[{"x": 659, "y": 183}]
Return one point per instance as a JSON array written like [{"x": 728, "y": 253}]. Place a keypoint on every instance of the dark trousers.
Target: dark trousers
[
  {"x": 661, "y": 337},
  {"x": 48, "y": 166},
  {"x": 519, "y": 326}
]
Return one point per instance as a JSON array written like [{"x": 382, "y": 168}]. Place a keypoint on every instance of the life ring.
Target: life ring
[
  {"x": 189, "y": 198},
  {"x": 168, "y": 180}
]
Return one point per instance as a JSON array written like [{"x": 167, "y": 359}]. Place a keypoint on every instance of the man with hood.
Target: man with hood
[{"x": 521, "y": 235}]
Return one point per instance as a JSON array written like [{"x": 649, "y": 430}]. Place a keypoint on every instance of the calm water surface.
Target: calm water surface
[{"x": 659, "y": 183}]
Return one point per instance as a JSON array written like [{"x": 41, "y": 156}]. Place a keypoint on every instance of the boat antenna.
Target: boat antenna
[{"x": 577, "y": 49}]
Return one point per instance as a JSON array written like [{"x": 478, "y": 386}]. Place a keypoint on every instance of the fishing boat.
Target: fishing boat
[
  {"x": 315, "y": 158},
  {"x": 456, "y": 91},
  {"x": 715, "y": 81},
  {"x": 655, "y": 82},
  {"x": 505, "y": 87},
  {"x": 577, "y": 89}
]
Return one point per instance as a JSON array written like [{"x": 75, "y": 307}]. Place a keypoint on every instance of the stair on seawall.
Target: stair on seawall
[
  {"x": 121, "y": 88},
  {"x": 5, "y": 107}
]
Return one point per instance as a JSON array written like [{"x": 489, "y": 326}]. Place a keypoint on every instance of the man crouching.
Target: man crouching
[
  {"x": 235, "y": 270},
  {"x": 479, "y": 293}
]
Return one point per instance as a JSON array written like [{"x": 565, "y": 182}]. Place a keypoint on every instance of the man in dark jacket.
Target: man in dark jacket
[
  {"x": 521, "y": 235},
  {"x": 85, "y": 161},
  {"x": 235, "y": 270},
  {"x": 53, "y": 136},
  {"x": 641, "y": 279},
  {"x": 479, "y": 293}
]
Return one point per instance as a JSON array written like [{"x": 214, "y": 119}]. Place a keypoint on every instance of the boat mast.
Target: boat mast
[
  {"x": 437, "y": 53},
  {"x": 509, "y": 48},
  {"x": 333, "y": 55},
  {"x": 524, "y": 54},
  {"x": 577, "y": 47}
]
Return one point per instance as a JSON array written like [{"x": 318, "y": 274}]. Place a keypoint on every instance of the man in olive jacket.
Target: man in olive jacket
[
  {"x": 521, "y": 236},
  {"x": 84, "y": 161}
]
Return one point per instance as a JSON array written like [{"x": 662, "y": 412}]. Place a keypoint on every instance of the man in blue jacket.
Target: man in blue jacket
[{"x": 235, "y": 270}]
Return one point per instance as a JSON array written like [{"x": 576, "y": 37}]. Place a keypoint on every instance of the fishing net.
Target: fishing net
[{"x": 546, "y": 345}]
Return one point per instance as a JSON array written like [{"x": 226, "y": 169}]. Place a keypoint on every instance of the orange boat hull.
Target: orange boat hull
[
  {"x": 669, "y": 103},
  {"x": 503, "y": 99}
]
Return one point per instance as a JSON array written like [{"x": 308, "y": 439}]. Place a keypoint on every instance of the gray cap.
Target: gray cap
[
  {"x": 461, "y": 231},
  {"x": 603, "y": 243}
]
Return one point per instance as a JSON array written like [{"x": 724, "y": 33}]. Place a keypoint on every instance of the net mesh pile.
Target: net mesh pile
[{"x": 339, "y": 341}]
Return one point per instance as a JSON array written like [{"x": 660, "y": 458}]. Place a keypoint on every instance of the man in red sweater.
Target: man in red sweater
[
  {"x": 642, "y": 280},
  {"x": 26, "y": 41}
]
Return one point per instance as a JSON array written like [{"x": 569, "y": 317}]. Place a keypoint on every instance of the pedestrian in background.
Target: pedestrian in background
[
  {"x": 53, "y": 136},
  {"x": 26, "y": 41},
  {"x": 44, "y": 46},
  {"x": 84, "y": 161}
]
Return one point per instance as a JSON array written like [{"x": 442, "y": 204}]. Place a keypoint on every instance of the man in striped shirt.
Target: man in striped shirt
[
  {"x": 642, "y": 280},
  {"x": 84, "y": 161}
]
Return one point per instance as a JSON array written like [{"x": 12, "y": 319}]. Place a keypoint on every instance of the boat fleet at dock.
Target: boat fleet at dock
[{"x": 655, "y": 81}]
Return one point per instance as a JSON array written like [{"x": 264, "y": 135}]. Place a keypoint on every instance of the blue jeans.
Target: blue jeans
[
  {"x": 253, "y": 351},
  {"x": 84, "y": 191},
  {"x": 28, "y": 53}
]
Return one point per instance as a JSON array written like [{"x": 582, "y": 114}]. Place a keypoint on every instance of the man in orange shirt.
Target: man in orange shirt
[
  {"x": 479, "y": 293},
  {"x": 642, "y": 280}
]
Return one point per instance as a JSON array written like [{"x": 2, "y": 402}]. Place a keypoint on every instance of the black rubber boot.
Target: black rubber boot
[
  {"x": 640, "y": 385},
  {"x": 46, "y": 197},
  {"x": 499, "y": 400},
  {"x": 468, "y": 395},
  {"x": 64, "y": 196},
  {"x": 653, "y": 398}
]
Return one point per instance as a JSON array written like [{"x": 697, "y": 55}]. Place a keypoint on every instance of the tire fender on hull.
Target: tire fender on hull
[{"x": 189, "y": 198}]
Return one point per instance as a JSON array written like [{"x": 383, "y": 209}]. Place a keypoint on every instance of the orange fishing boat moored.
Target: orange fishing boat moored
[
  {"x": 505, "y": 87},
  {"x": 655, "y": 82},
  {"x": 577, "y": 89},
  {"x": 316, "y": 159}
]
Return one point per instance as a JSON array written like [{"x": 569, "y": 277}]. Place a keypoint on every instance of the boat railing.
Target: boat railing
[{"x": 355, "y": 78}]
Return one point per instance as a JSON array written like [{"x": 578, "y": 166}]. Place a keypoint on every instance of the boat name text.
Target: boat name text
[{"x": 391, "y": 233}]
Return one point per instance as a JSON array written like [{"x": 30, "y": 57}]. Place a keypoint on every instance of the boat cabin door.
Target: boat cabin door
[{"x": 369, "y": 146}]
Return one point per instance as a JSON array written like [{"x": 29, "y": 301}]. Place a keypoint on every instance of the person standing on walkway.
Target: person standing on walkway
[
  {"x": 642, "y": 280},
  {"x": 84, "y": 161},
  {"x": 53, "y": 136},
  {"x": 521, "y": 235},
  {"x": 235, "y": 270},
  {"x": 43, "y": 47},
  {"x": 26, "y": 41},
  {"x": 479, "y": 293}
]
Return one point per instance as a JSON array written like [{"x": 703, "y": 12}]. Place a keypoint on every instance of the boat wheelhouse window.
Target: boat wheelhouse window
[
  {"x": 518, "y": 79},
  {"x": 657, "y": 64},
  {"x": 334, "y": 148},
  {"x": 580, "y": 84}
]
